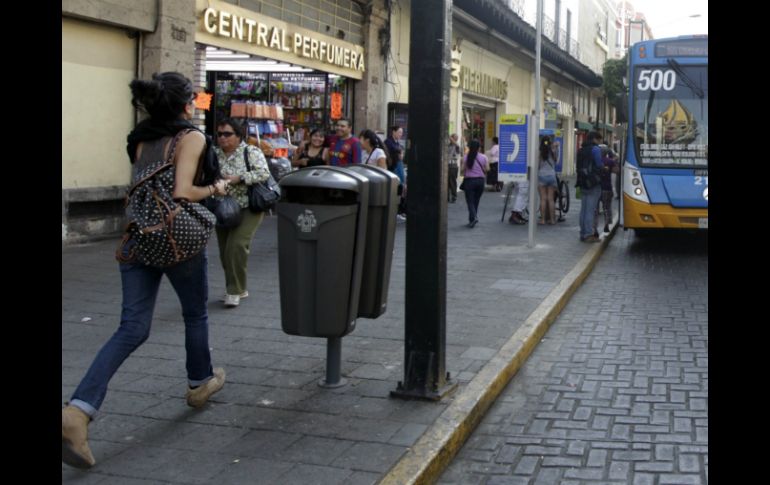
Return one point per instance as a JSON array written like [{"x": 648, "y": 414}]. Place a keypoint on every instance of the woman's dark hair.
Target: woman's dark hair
[
  {"x": 164, "y": 97},
  {"x": 375, "y": 142},
  {"x": 495, "y": 140},
  {"x": 473, "y": 150},
  {"x": 313, "y": 132},
  {"x": 545, "y": 148},
  {"x": 237, "y": 128}
]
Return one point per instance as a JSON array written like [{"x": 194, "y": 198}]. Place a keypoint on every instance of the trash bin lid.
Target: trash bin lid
[
  {"x": 326, "y": 178},
  {"x": 380, "y": 182}
]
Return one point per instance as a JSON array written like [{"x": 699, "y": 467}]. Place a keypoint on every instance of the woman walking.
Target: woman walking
[
  {"x": 376, "y": 151},
  {"x": 235, "y": 242},
  {"x": 475, "y": 169},
  {"x": 169, "y": 100}
]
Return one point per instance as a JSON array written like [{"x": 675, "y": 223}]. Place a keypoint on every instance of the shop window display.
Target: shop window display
[{"x": 278, "y": 105}]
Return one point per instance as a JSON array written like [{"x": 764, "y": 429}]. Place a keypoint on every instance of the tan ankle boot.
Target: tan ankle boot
[
  {"x": 197, "y": 397},
  {"x": 74, "y": 438}
]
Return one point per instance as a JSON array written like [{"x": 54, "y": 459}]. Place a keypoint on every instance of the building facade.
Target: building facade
[{"x": 286, "y": 66}]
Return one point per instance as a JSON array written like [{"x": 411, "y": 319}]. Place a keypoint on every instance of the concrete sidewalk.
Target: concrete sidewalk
[{"x": 271, "y": 423}]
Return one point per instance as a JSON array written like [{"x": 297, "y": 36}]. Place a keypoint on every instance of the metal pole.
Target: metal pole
[
  {"x": 333, "y": 366},
  {"x": 425, "y": 375},
  {"x": 535, "y": 130}
]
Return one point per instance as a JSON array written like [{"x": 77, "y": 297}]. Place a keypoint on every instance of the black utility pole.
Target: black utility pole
[{"x": 425, "y": 375}]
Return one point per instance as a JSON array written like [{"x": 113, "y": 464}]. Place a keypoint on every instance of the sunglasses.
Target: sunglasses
[{"x": 226, "y": 134}]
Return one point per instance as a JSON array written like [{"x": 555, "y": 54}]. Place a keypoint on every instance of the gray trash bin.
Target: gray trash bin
[
  {"x": 321, "y": 236},
  {"x": 380, "y": 237}
]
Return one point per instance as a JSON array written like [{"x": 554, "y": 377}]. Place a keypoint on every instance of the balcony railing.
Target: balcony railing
[
  {"x": 574, "y": 49},
  {"x": 549, "y": 28},
  {"x": 562, "y": 39}
]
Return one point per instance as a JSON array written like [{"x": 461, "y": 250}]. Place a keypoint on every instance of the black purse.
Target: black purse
[
  {"x": 226, "y": 209},
  {"x": 262, "y": 195}
]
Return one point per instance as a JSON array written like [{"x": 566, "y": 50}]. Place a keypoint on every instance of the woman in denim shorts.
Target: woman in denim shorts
[{"x": 546, "y": 178}]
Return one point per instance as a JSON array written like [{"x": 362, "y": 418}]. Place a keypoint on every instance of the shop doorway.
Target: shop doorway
[{"x": 478, "y": 124}]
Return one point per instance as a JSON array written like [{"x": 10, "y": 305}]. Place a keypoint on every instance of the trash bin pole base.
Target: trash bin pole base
[
  {"x": 330, "y": 385},
  {"x": 333, "y": 364}
]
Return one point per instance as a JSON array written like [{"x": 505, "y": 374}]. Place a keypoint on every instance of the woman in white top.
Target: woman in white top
[{"x": 376, "y": 152}]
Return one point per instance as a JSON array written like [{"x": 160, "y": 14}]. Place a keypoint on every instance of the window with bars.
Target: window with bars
[{"x": 336, "y": 18}]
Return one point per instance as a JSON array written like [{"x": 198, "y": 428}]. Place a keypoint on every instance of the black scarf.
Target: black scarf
[{"x": 150, "y": 129}]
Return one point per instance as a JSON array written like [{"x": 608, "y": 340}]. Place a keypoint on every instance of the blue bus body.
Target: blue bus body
[{"x": 665, "y": 171}]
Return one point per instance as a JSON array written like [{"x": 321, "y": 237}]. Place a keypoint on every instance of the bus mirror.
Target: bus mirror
[{"x": 621, "y": 108}]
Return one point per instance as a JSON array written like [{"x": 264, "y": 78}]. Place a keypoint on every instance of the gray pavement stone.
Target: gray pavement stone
[
  {"x": 497, "y": 480},
  {"x": 253, "y": 470},
  {"x": 304, "y": 474},
  {"x": 361, "y": 478},
  {"x": 527, "y": 465}
]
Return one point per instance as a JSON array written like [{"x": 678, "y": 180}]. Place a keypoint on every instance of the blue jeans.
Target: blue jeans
[
  {"x": 474, "y": 187},
  {"x": 140, "y": 290},
  {"x": 588, "y": 205}
]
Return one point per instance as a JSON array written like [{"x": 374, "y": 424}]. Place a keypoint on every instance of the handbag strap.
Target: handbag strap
[
  {"x": 246, "y": 158},
  {"x": 169, "y": 162}
]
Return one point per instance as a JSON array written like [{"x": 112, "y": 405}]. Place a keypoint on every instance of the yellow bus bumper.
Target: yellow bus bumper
[{"x": 638, "y": 215}]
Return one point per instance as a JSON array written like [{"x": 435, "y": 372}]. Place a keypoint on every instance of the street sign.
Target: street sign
[{"x": 513, "y": 148}]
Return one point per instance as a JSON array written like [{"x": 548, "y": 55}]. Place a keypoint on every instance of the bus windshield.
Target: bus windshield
[{"x": 671, "y": 115}]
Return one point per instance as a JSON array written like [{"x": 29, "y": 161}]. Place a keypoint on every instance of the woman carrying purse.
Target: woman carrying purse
[{"x": 235, "y": 242}]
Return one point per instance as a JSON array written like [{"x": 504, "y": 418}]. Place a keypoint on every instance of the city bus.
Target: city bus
[{"x": 664, "y": 181}]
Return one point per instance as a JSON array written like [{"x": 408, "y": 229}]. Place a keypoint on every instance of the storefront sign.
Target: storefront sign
[
  {"x": 247, "y": 31},
  {"x": 483, "y": 84},
  {"x": 336, "y": 106},
  {"x": 475, "y": 81},
  {"x": 454, "y": 75},
  {"x": 513, "y": 148},
  {"x": 203, "y": 100},
  {"x": 551, "y": 108}
]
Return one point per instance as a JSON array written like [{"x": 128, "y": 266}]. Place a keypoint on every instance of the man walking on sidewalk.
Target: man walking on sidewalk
[
  {"x": 589, "y": 167},
  {"x": 453, "y": 158}
]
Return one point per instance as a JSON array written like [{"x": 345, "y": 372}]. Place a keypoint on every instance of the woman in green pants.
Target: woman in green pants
[{"x": 234, "y": 242}]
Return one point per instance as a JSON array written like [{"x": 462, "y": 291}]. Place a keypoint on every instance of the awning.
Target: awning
[
  {"x": 581, "y": 125},
  {"x": 605, "y": 126}
]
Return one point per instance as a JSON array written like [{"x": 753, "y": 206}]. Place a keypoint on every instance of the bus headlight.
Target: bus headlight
[{"x": 633, "y": 185}]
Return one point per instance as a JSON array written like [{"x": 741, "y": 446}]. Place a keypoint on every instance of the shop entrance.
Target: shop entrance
[{"x": 479, "y": 124}]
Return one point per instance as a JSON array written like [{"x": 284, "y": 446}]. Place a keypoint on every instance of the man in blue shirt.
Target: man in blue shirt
[
  {"x": 590, "y": 195},
  {"x": 346, "y": 149}
]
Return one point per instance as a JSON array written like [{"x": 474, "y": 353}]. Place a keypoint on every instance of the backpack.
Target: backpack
[
  {"x": 165, "y": 230},
  {"x": 588, "y": 174}
]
